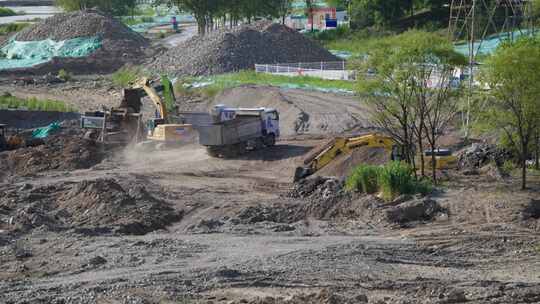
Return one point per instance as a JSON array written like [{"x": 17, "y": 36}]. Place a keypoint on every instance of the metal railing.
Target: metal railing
[{"x": 323, "y": 69}]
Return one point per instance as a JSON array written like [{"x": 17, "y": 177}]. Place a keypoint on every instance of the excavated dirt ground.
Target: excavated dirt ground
[{"x": 178, "y": 226}]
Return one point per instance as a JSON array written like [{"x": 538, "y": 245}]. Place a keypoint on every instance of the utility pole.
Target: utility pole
[{"x": 472, "y": 21}]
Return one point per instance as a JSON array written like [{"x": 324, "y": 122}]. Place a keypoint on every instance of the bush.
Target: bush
[
  {"x": 507, "y": 167},
  {"x": 64, "y": 75},
  {"x": 396, "y": 178},
  {"x": 33, "y": 104},
  {"x": 364, "y": 179},
  {"x": 126, "y": 76},
  {"x": 6, "y": 29},
  {"x": 6, "y": 12}
]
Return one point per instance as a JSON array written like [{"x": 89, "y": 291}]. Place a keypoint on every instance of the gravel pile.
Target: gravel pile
[
  {"x": 238, "y": 49},
  {"x": 120, "y": 45}
]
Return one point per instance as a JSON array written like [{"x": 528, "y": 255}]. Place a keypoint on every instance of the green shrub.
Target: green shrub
[
  {"x": 6, "y": 12},
  {"x": 364, "y": 179},
  {"x": 127, "y": 75},
  {"x": 64, "y": 75},
  {"x": 33, "y": 104},
  {"x": 507, "y": 167},
  {"x": 147, "y": 19},
  {"x": 396, "y": 178},
  {"x": 6, "y": 29},
  {"x": 162, "y": 35}
]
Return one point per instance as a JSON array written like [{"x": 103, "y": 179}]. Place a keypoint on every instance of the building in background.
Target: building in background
[{"x": 323, "y": 18}]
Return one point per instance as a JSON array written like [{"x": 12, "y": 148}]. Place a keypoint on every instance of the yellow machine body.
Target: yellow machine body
[
  {"x": 441, "y": 162},
  {"x": 343, "y": 145},
  {"x": 173, "y": 133}
]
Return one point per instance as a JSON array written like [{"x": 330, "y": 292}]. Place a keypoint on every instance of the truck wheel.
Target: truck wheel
[
  {"x": 213, "y": 151},
  {"x": 269, "y": 140}
]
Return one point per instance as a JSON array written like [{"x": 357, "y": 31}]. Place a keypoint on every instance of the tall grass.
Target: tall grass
[
  {"x": 391, "y": 180},
  {"x": 6, "y": 12},
  {"x": 127, "y": 75},
  {"x": 6, "y": 29},
  {"x": 8, "y": 101},
  {"x": 364, "y": 179}
]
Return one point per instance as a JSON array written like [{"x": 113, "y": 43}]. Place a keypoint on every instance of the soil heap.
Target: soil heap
[
  {"x": 120, "y": 44},
  {"x": 239, "y": 49},
  {"x": 93, "y": 206},
  {"x": 59, "y": 152}
]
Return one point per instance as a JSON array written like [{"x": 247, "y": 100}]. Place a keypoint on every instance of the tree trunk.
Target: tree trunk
[
  {"x": 524, "y": 154},
  {"x": 422, "y": 160},
  {"x": 537, "y": 152},
  {"x": 433, "y": 165}
]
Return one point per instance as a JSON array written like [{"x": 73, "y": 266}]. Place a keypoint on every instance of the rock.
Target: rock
[
  {"x": 361, "y": 299},
  {"x": 455, "y": 296},
  {"x": 532, "y": 210},
  {"x": 416, "y": 210},
  {"x": 228, "y": 273},
  {"x": 97, "y": 260}
]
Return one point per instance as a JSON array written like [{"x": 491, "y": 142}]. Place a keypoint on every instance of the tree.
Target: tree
[
  {"x": 512, "y": 74},
  {"x": 284, "y": 8},
  {"x": 117, "y": 7},
  {"x": 310, "y": 7},
  {"x": 408, "y": 89}
]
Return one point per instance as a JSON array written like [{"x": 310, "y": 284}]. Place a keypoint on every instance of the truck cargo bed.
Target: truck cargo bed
[{"x": 231, "y": 132}]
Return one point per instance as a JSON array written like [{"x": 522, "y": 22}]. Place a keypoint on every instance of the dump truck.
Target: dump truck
[{"x": 233, "y": 131}]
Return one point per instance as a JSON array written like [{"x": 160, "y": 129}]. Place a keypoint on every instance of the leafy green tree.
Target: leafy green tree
[
  {"x": 117, "y": 7},
  {"x": 408, "y": 88},
  {"x": 512, "y": 74}
]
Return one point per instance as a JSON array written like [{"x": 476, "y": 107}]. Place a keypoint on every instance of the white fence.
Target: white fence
[{"x": 336, "y": 70}]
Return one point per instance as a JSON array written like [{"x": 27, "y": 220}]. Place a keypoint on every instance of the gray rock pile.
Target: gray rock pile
[
  {"x": 479, "y": 155},
  {"x": 86, "y": 23},
  {"x": 238, "y": 49}
]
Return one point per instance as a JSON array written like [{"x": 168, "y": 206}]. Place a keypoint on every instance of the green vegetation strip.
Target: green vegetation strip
[
  {"x": 8, "y": 101},
  {"x": 215, "y": 84},
  {"x": 6, "y": 12},
  {"x": 6, "y": 29}
]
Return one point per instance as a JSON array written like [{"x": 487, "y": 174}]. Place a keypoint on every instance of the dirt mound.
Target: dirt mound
[
  {"x": 300, "y": 111},
  {"x": 60, "y": 152},
  {"x": 239, "y": 49},
  {"x": 324, "y": 297},
  {"x": 120, "y": 45},
  {"x": 96, "y": 205}
]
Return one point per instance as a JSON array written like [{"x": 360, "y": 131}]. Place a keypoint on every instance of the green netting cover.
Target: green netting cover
[
  {"x": 22, "y": 54},
  {"x": 46, "y": 131},
  {"x": 489, "y": 45}
]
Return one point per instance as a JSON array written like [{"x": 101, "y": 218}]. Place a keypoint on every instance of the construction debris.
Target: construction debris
[
  {"x": 416, "y": 210},
  {"x": 240, "y": 48}
]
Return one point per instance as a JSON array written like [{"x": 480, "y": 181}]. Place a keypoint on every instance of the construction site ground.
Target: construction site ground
[{"x": 231, "y": 233}]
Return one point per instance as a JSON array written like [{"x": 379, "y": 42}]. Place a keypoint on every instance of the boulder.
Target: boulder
[{"x": 416, "y": 210}]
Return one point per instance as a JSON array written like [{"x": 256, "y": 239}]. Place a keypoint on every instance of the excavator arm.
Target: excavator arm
[
  {"x": 323, "y": 156},
  {"x": 161, "y": 108}
]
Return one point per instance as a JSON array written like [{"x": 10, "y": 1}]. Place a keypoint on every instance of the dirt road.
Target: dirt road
[{"x": 479, "y": 254}]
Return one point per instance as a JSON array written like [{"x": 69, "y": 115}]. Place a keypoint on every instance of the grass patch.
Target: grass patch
[
  {"x": 127, "y": 75},
  {"x": 7, "y": 101},
  {"x": 9, "y": 28},
  {"x": 364, "y": 179},
  {"x": 392, "y": 180},
  {"x": 220, "y": 82},
  {"x": 6, "y": 12}
]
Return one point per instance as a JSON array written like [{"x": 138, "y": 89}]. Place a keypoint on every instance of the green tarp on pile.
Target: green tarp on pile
[
  {"x": 46, "y": 131},
  {"x": 23, "y": 54}
]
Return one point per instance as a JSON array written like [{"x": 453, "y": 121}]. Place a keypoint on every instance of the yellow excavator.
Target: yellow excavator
[
  {"x": 161, "y": 129},
  {"x": 320, "y": 158},
  {"x": 123, "y": 124}
]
